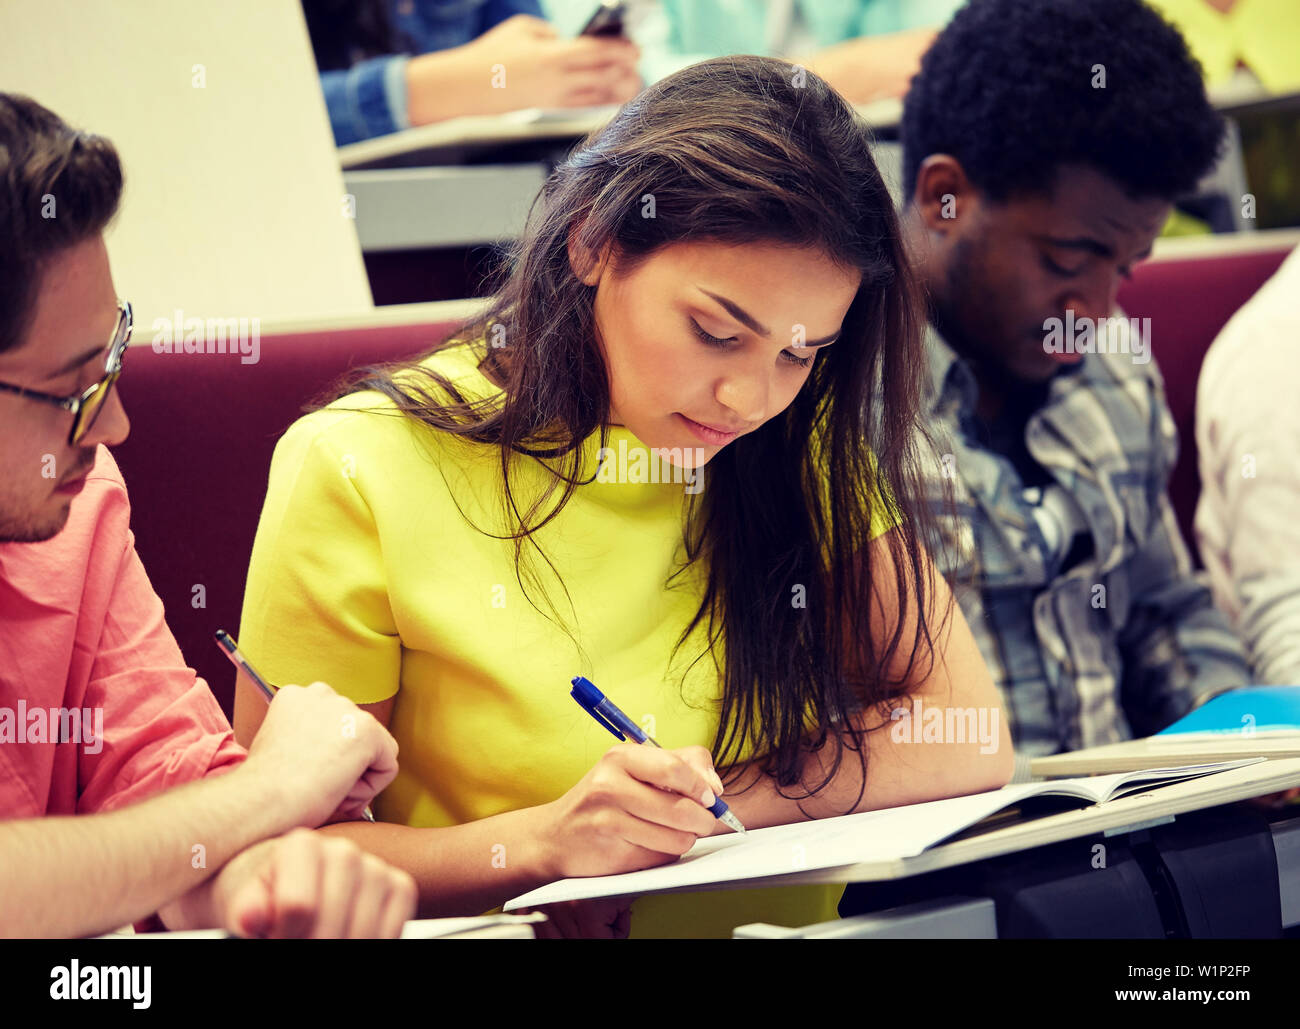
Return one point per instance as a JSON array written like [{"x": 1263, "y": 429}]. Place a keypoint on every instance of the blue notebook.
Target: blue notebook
[{"x": 1251, "y": 711}]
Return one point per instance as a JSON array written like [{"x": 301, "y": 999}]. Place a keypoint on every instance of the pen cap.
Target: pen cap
[{"x": 585, "y": 692}]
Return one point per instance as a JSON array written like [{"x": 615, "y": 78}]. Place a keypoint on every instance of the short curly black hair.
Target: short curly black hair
[{"x": 1012, "y": 89}]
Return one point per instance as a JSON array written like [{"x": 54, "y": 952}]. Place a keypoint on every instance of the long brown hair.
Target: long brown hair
[{"x": 733, "y": 150}]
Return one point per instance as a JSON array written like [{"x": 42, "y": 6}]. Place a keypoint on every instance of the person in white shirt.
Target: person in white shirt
[{"x": 1248, "y": 438}]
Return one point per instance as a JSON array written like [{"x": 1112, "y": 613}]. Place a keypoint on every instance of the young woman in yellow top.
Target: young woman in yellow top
[{"x": 657, "y": 461}]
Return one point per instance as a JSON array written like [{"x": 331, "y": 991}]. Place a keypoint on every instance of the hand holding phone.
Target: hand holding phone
[{"x": 607, "y": 20}]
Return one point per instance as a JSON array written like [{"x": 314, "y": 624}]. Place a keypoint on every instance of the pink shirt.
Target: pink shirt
[{"x": 81, "y": 628}]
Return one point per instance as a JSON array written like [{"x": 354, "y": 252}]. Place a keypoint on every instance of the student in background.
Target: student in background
[
  {"x": 1247, "y": 432},
  {"x": 122, "y": 790},
  {"x": 386, "y": 65},
  {"x": 865, "y": 49},
  {"x": 1255, "y": 39},
  {"x": 717, "y": 275},
  {"x": 1044, "y": 142}
]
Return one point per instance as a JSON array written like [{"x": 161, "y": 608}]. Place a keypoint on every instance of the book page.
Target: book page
[{"x": 1135, "y": 782}]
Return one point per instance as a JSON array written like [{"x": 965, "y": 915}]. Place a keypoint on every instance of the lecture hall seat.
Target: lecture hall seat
[
  {"x": 203, "y": 428},
  {"x": 1188, "y": 301}
]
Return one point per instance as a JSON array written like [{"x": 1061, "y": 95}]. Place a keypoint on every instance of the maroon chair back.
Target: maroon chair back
[
  {"x": 203, "y": 427},
  {"x": 1188, "y": 301}
]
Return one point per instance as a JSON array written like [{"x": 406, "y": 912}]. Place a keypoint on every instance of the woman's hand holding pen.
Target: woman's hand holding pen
[
  {"x": 322, "y": 754},
  {"x": 638, "y": 807}
]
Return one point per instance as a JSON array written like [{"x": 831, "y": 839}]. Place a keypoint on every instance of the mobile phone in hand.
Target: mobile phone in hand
[{"x": 607, "y": 20}]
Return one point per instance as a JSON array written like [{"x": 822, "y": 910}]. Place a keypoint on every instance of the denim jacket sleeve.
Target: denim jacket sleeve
[{"x": 368, "y": 99}]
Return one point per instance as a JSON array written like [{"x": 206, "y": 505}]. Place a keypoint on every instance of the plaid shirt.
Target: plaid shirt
[{"x": 1118, "y": 643}]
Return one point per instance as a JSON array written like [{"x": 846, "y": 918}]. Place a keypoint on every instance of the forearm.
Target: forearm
[
  {"x": 948, "y": 688},
  {"x": 870, "y": 67},
  {"x": 443, "y": 85},
  {"x": 463, "y": 869},
  {"x": 81, "y": 875},
  {"x": 901, "y": 768}
]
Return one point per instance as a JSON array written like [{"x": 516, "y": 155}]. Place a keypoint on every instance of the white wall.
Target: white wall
[{"x": 233, "y": 200}]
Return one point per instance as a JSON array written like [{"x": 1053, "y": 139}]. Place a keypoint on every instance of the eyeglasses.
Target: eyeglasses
[{"x": 85, "y": 407}]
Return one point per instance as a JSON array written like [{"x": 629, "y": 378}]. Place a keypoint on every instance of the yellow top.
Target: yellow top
[
  {"x": 366, "y": 575},
  {"x": 1264, "y": 35}
]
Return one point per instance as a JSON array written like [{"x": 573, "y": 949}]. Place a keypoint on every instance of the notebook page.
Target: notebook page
[{"x": 886, "y": 834}]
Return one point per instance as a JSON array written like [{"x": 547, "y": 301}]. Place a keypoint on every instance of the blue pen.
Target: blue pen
[{"x": 601, "y": 708}]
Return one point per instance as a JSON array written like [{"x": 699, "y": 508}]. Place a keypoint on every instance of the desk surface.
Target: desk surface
[
  {"x": 1131, "y": 811},
  {"x": 481, "y": 132},
  {"x": 473, "y": 132},
  {"x": 475, "y": 927}
]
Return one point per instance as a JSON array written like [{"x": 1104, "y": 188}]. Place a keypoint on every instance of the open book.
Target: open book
[{"x": 883, "y": 835}]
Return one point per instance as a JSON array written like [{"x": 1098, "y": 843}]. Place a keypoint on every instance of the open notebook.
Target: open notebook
[{"x": 883, "y": 835}]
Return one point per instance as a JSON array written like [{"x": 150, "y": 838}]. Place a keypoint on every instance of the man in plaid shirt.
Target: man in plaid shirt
[{"x": 1045, "y": 142}]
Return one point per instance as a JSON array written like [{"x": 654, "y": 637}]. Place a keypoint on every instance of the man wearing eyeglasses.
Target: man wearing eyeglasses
[{"x": 123, "y": 795}]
